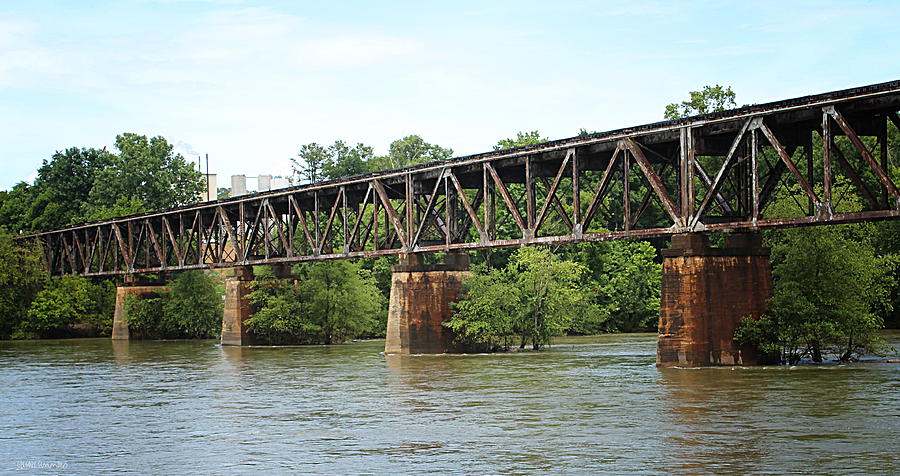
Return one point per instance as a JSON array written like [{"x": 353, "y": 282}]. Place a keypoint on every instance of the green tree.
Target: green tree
[
  {"x": 122, "y": 207},
  {"x": 410, "y": 150},
  {"x": 335, "y": 301},
  {"x": 831, "y": 289},
  {"x": 347, "y": 161},
  {"x": 149, "y": 170},
  {"x": 63, "y": 186},
  {"x": 521, "y": 139},
  {"x": 143, "y": 315},
  {"x": 279, "y": 314},
  {"x": 311, "y": 161},
  {"x": 66, "y": 301},
  {"x": 15, "y": 206},
  {"x": 192, "y": 306},
  {"x": 22, "y": 276},
  {"x": 628, "y": 283},
  {"x": 536, "y": 296},
  {"x": 709, "y": 99},
  {"x": 340, "y": 298}
]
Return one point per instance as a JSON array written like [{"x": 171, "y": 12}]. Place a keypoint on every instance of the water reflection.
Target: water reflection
[{"x": 712, "y": 416}]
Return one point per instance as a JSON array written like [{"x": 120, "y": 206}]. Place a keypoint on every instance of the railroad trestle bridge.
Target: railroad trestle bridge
[{"x": 718, "y": 172}]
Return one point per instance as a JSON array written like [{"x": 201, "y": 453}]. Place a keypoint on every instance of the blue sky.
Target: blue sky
[{"x": 249, "y": 81}]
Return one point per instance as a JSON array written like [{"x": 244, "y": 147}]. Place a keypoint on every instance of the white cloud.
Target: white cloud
[{"x": 22, "y": 59}]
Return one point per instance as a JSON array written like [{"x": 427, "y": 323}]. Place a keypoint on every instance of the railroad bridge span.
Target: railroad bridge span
[{"x": 679, "y": 179}]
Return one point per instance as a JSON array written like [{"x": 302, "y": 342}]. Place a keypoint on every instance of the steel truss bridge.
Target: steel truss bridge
[{"x": 715, "y": 172}]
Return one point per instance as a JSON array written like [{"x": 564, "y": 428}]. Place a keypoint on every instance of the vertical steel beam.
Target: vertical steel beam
[
  {"x": 626, "y": 188},
  {"x": 529, "y": 194},
  {"x": 754, "y": 175},
  {"x": 686, "y": 142},
  {"x": 827, "y": 144},
  {"x": 576, "y": 195},
  {"x": 883, "y": 152}
]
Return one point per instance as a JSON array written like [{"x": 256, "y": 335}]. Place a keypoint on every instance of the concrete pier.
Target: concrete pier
[
  {"x": 237, "y": 307},
  {"x": 420, "y": 303},
  {"x": 706, "y": 292}
]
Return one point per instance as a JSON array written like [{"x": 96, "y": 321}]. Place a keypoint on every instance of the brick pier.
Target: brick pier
[
  {"x": 420, "y": 303},
  {"x": 706, "y": 292}
]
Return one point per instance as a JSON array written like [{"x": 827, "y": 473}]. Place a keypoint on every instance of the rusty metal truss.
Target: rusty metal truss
[{"x": 716, "y": 172}]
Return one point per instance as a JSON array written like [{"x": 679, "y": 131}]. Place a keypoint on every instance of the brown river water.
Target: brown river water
[{"x": 587, "y": 405}]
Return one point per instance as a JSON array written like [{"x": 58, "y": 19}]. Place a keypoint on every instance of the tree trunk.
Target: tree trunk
[{"x": 817, "y": 352}]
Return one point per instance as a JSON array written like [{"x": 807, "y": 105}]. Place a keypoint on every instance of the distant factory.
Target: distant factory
[{"x": 264, "y": 183}]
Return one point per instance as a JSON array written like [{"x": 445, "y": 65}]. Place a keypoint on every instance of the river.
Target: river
[{"x": 587, "y": 405}]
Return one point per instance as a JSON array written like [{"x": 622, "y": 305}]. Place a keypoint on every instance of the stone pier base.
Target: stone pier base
[
  {"x": 120, "y": 324},
  {"x": 705, "y": 293},
  {"x": 237, "y": 307},
  {"x": 420, "y": 303}
]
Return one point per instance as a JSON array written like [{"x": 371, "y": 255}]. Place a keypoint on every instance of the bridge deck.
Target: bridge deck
[{"x": 716, "y": 172}]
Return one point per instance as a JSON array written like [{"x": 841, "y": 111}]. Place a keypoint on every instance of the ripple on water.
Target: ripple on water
[{"x": 586, "y": 405}]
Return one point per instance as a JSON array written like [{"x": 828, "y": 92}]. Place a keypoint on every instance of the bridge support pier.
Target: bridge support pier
[
  {"x": 420, "y": 303},
  {"x": 705, "y": 293},
  {"x": 131, "y": 286},
  {"x": 237, "y": 307}
]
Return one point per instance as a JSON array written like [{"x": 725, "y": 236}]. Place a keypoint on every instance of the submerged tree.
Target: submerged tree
[
  {"x": 536, "y": 296},
  {"x": 333, "y": 302},
  {"x": 192, "y": 307},
  {"x": 830, "y": 289}
]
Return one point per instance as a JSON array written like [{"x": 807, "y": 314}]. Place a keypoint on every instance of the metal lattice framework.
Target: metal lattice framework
[{"x": 717, "y": 172}]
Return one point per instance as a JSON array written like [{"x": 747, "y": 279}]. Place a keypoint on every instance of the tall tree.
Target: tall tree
[
  {"x": 149, "y": 170},
  {"x": 310, "y": 162},
  {"x": 22, "y": 276},
  {"x": 521, "y": 139},
  {"x": 63, "y": 186},
  {"x": 412, "y": 150},
  {"x": 347, "y": 161},
  {"x": 709, "y": 99}
]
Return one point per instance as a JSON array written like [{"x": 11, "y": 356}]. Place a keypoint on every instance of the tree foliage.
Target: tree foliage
[
  {"x": 149, "y": 170},
  {"x": 537, "y": 296},
  {"x": 191, "y": 308},
  {"x": 412, "y": 150},
  {"x": 831, "y": 290},
  {"x": 521, "y": 139},
  {"x": 22, "y": 276},
  {"x": 333, "y": 302},
  {"x": 709, "y": 99},
  {"x": 316, "y": 162},
  {"x": 77, "y": 185},
  {"x": 627, "y": 278}
]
